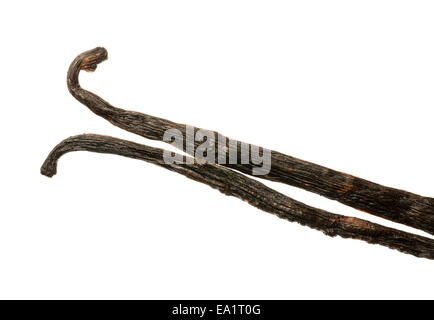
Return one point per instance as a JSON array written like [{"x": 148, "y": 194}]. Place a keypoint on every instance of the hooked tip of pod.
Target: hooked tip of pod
[{"x": 92, "y": 58}]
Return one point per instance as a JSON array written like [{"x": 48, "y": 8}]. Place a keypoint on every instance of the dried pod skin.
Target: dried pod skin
[
  {"x": 396, "y": 205},
  {"x": 393, "y": 204},
  {"x": 255, "y": 193}
]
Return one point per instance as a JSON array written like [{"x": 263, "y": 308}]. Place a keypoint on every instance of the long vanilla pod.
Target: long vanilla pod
[
  {"x": 389, "y": 203},
  {"x": 235, "y": 184}
]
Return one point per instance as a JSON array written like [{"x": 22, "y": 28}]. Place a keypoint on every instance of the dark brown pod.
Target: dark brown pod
[
  {"x": 255, "y": 193},
  {"x": 396, "y": 205}
]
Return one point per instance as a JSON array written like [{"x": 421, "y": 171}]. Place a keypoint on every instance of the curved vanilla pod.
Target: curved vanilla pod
[
  {"x": 389, "y": 203},
  {"x": 235, "y": 184}
]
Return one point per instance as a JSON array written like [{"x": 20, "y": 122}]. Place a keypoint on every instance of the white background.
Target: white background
[{"x": 346, "y": 84}]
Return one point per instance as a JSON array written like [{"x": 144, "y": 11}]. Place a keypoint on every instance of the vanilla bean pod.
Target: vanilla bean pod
[
  {"x": 389, "y": 203},
  {"x": 255, "y": 193}
]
